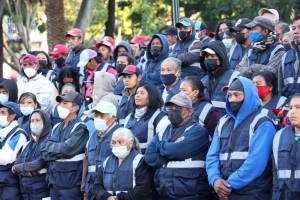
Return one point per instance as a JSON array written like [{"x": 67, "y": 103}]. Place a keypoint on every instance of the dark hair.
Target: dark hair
[
  {"x": 196, "y": 84},
  {"x": 31, "y": 95},
  {"x": 270, "y": 79},
  {"x": 155, "y": 99},
  {"x": 297, "y": 17},
  {"x": 230, "y": 34},
  {"x": 11, "y": 112},
  {"x": 229, "y": 24},
  {"x": 284, "y": 27},
  {"x": 130, "y": 57},
  {"x": 49, "y": 61},
  {"x": 68, "y": 72},
  {"x": 99, "y": 57}
]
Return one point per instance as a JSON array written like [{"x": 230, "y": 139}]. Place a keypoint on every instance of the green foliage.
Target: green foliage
[{"x": 42, "y": 27}]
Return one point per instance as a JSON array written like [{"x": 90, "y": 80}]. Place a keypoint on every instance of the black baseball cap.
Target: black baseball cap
[
  {"x": 170, "y": 30},
  {"x": 240, "y": 25},
  {"x": 71, "y": 96}
]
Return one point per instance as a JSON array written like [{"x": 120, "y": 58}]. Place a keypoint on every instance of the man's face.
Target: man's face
[
  {"x": 172, "y": 39},
  {"x": 122, "y": 60},
  {"x": 3, "y": 90},
  {"x": 66, "y": 89},
  {"x": 4, "y": 112},
  {"x": 213, "y": 56},
  {"x": 184, "y": 28},
  {"x": 235, "y": 96},
  {"x": 259, "y": 29},
  {"x": 156, "y": 42},
  {"x": 186, "y": 113},
  {"x": 121, "y": 49},
  {"x": 270, "y": 16},
  {"x": 74, "y": 42},
  {"x": 131, "y": 80},
  {"x": 167, "y": 67},
  {"x": 296, "y": 31}
]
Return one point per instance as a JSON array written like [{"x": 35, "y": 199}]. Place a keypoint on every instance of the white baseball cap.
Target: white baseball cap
[
  {"x": 273, "y": 11},
  {"x": 85, "y": 56}
]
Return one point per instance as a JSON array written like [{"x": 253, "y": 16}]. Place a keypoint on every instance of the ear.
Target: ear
[
  {"x": 179, "y": 73},
  {"x": 191, "y": 111},
  {"x": 140, "y": 78},
  {"x": 37, "y": 67},
  {"x": 11, "y": 117},
  {"x": 131, "y": 144}
]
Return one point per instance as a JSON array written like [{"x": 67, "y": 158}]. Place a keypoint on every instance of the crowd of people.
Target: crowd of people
[{"x": 186, "y": 114}]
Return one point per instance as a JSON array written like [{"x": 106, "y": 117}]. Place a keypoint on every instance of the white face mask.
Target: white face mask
[
  {"x": 26, "y": 110},
  {"x": 63, "y": 112},
  {"x": 3, "y": 98},
  {"x": 197, "y": 37},
  {"x": 3, "y": 121},
  {"x": 100, "y": 124},
  {"x": 30, "y": 72},
  {"x": 120, "y": 152},
  {"x": 36, "y": 128}
]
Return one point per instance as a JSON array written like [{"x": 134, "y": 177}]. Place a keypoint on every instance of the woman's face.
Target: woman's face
[
  {"x": 36, "y": 118},
  {"x": 186, "y": 88},
  {"x": 294, "y": 112},
  {"x": 41, "y": 56},
  {"x": 27, "y": 102},
  {"x": 259, "y": 81},
  {"x": 105, "y": 52},
  {"x": 68, "y": 80},
  {"x": 141, "y": 97}
]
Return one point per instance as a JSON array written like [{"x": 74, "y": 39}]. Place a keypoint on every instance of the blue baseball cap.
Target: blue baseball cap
[
  {"x": 183, "y": 22},
  {"x": 199, "y": 25},
  {"x": 13, "y": 106}
]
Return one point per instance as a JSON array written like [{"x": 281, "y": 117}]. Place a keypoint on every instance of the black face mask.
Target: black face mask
[
  {"x": 184, "y": 35},
  {"x": 235, "y": 106},
  {"x": 43, "y": 66},
  {"x": 59, "y": 61},
  {"x": 211, "y": 64},
  {"x": 120, "y": 68},
  {"x": 221, "y": 34},
  {"x": 287, "y": 46},
  {"x": 175, "y": 117},
  {"x": 155, "y": 51},
  {"x": 239, "y": 37}
]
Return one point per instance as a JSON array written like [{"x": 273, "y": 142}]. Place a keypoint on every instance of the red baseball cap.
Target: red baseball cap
[
  {"x": 108, "y": 39},
  {"x": 131, "y": 69},
  {"x": 58, "y": 49},
  {"x": 28, "y": 58},
  {"x": 74, "y": 32},
  {"x": 138, "y": 39},
  {"x": 211, "y": 34},
  {"x": 105, "y": 43}
]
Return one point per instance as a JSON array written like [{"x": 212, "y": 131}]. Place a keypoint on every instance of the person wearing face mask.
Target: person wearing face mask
[
  {"x": 238, "y": 162},
  {"x": 207, "y": 115},
  {"x": 229, "y": 41},
  {"x": 221, "y": 27},
  {"x": 266, "y": 85},
  {"x": 178, "y": 153},
  {"x": 202, "y": 32},
  {"x": 187, "y": 48},
  {"x": 170, "y": 76},
  {"x": 157, "y": 51},
  {"x": 288, "y": 73},
  {"x": 124, "y": 59},
  {"x": 12, "y": 138},
  {"x": 214, "y": 61},
  {"x": 36, "y": 83},
  {"x": 243, "y": 45},
  {"x": 124, "y": 174},
  {"x": 28, "y": 103},
  {"x": 45, "y": 63},
  {"x": 122, "y": 47},
  {"x": 8, "y": 91},
  {"x": 64, "y": 149},
  {"x": 266, "y": 51},
  {"x": 287, "y": 40},
  {"x": 147, "y": 118},
  {"x": 59, "y": 54},
  {"x": 30, "y": 167},
  {"x": 98, "y": 146},
  {"x": 172, "y": 35}
]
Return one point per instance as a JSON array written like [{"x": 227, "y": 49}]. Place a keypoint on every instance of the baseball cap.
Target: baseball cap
[
  {"x": 85, "y": 56},
  {"x": 261, "y": 21},
  {"x": 105, "y": 43},
  {"x": 108, "y": 39},
  {"x": 240, "y": 25},
  {"x": 184, "y": 22},
  {"x": 131, "y": 69},
  {"x": 71, "y": 96},
  {"x": 138, "y": 39},
  {"x": 208, "y": 50},
  {"x": 105, "y": 108},
  {"x": 58, "y": 49},
  {"x": 13, "y": 106},
  {"x": 170, "y": 30},
  {"x": 28, "y": 58},
  {"x": 180, "y": 100},
  {"x": 211, "y": 34},
  {"x": 273, "y": 11},
  {"x": 200, "y": 25},
  {"x": 74, "y": 32}
]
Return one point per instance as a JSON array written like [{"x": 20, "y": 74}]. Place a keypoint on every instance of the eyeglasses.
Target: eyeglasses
[{"x": 168, "y": 108}]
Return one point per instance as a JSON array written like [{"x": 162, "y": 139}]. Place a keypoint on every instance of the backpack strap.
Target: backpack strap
[{"x": 158, "y": 118}]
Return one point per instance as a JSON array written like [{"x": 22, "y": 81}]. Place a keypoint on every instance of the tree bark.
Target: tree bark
[
  {"x": 1, "y": 43},
  {"x": 55, "y": 23},
  {"x": 110, "y": 24},
  {"x": 84, "y": 15}
]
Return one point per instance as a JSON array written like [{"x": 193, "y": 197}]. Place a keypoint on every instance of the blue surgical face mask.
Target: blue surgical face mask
[
  {"x": 26, "y": 110},
  {"x": 227, "y": 43},
  {"x": 3, "y": 98},
  {"x": 256, "y": 36}
]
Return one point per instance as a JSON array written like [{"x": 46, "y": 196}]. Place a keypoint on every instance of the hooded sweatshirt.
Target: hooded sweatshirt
[
  {"x": 152, "y": 66},
  {"x": 12, "y": 89},
  {"x": 104, "y": 84},
  {"x": 124, "y": 44},
  {"x": 260, "y": 145}
]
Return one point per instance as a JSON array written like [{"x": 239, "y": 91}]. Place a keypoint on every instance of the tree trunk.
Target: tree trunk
[
  {"x": 110, "y": 24},
  {"x": 55, "y": 23},
  {"x": 84, "y": 15},
  {"x": 1, "y": 38}
]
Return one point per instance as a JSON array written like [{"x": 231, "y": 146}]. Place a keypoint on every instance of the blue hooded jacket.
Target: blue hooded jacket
[
  {"x": 124, "y": 44},
  {"x": 260, "y": 146},
  {"x": 152, "y": 69}
]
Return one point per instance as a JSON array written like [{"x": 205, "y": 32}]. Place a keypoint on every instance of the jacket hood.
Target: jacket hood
[
  {"x": 164, "y": 49},
  {"x": 47, "y": 123},
  {"x": 12, "y": 89},
  {"x": 105, "y": 83},
  {"x": 124, "y": 44},
  {"x": 220, "y": 49},
  {"x": 250, "y": 104},
  {"x": 193, "y": 29}
]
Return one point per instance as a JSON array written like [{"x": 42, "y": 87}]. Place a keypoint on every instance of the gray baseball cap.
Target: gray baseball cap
[
  {"x": 262, "y": 21},
  {"x": 180, "y": 100}
]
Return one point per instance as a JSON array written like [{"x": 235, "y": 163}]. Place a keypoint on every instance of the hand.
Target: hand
[
  {"x": 221, "y": 188},
  {"x": 112, "y": 198},
  {"x": 13, "y": 169},
  {"x": 180, "y": 139}
]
